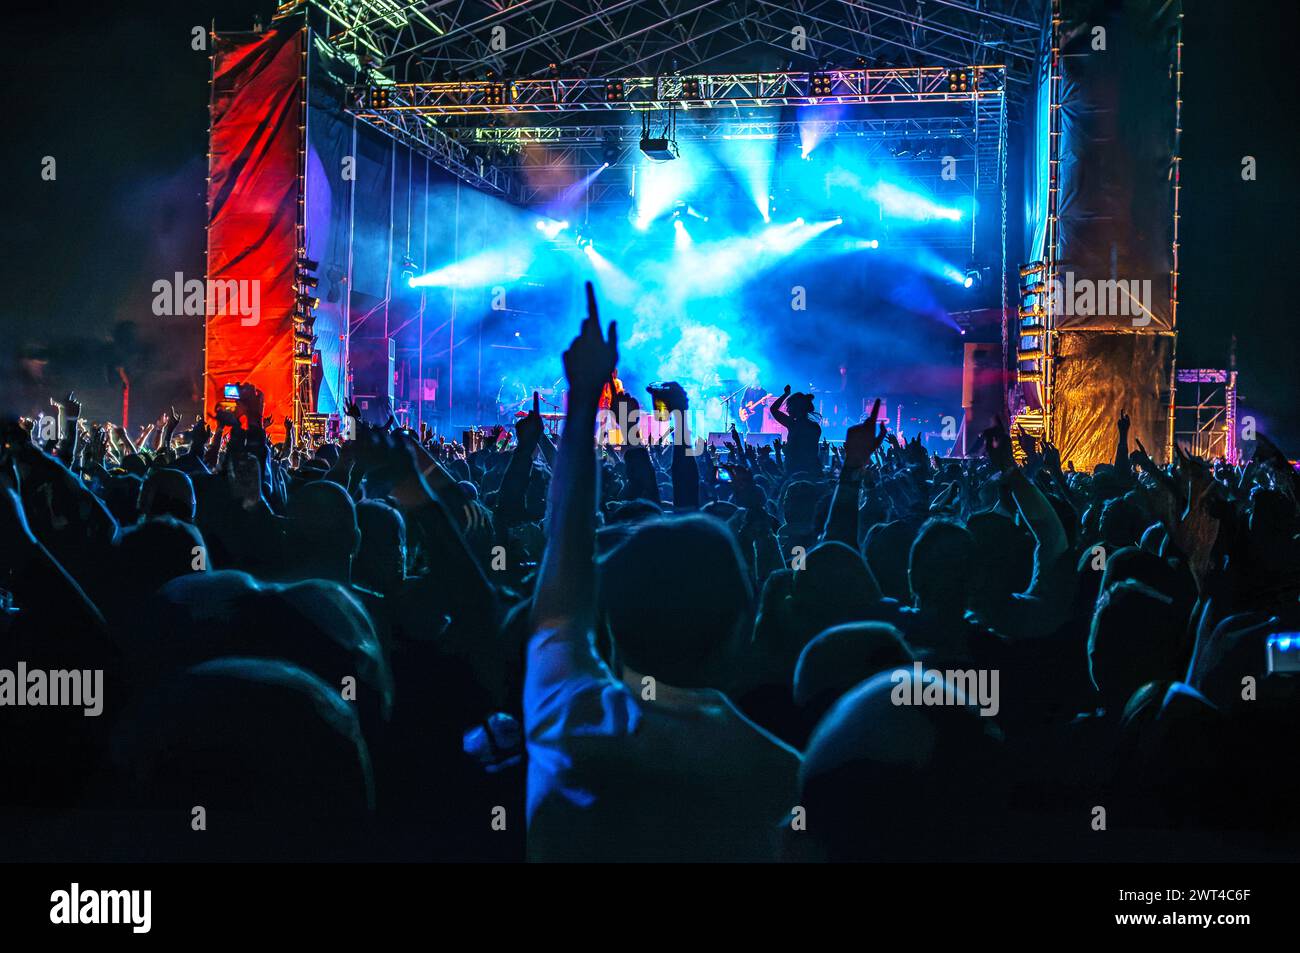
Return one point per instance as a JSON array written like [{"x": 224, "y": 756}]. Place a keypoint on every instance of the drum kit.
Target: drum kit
[{"x": 551, "y": 401}]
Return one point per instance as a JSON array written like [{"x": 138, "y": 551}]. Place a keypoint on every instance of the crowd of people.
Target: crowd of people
[{"x": 390, "y": 647}]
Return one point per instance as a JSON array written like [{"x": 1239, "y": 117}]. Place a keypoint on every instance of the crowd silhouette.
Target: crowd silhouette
[{"x": 394, "y": 647}]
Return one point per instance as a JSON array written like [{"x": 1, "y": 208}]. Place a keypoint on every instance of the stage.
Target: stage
[{"x": 856, "y": 231}]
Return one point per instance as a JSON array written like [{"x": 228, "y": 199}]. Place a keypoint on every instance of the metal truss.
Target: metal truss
[
  {"x": 522, "y": 39},
  {"x": 467, "y": 164},
  {"x": 709, "y": 91},
  {"x": 446, "y": 119},
  {"x": 548, "y": 158},
  {"x": 494, "y": 89},
  {"x": 1205, "y": 411},
  {"x": 923, "y": 130}
]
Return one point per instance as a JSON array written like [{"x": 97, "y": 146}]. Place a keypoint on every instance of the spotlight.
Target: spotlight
[
  {"x": 691, "y": 88},
  {"x": 819, "y": 84},
  {"x": 799, "y": 220},
  {"x": 613, "y": 90},
  {"x": 612, "y": 148},
  {"x": 584, "y": 240},
  {"x": 496, "y": 94},
  {"x": 550, "y": 227},
  {"x": 305, "y": 281},
  {"x": 409, "y": 268},
  {"x": 376, "y": 97},
  {"x": 972, "y": 279},
  {"x": 958, "y": 81}
]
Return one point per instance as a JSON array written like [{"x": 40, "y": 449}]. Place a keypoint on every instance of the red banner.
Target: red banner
[{"x": 253, "y": 191}]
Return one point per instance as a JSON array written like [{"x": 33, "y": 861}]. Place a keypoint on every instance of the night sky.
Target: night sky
[{"x": 119, "y": 99}]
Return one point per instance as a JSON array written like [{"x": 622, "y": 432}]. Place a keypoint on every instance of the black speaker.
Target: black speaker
[{"x": 373, "y": 364}]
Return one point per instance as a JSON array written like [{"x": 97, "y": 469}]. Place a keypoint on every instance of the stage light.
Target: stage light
[
  {"x": 376, "y": 97},
  {"x": 958, "y": 81},
  {"x": 753, "y": 161},
  {"x": 1033, "y": 268},
  {"x": 409, "y": 268},
  {"x": 498, "y": 94},
  {"x": 897, "y": 202},
  {"x": 658, "y": 148},
  {"x": 971, "y": 279},
  {"x": 799, "y": 220},
  {"x": 658, "y": 188},
  {"x": 819, "y": 84},
  {"x": 682, "y": 239},
  {"x": 550, "y": 227},
  {"x": 612, "y": 148},
  {"x": 484, "y": 269}
]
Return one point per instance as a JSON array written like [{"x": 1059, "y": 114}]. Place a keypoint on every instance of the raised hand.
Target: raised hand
[
  {"x": 592, "y": 357},
  {"x": 997, "y": 445},
  {"x": 251, "y": 402},
  {"x": 1141, "y": 457},
  {"x": 1052, "y": 457},
  {"x": 528, "y": 429},
  {"x": 864, "y": 439},
  {"x": 1122, "y": 422},
  {"x": 1196, "y": 528},
  {"x": 69, "y": 405}
]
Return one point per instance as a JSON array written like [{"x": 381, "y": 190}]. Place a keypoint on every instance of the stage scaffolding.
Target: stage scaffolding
[
  {"x": 421, "y": 41},
  {"x": 1042, "y": 340},
  {"x": 576, "y": 75},
  {"x": 474, "y": 129},
  {"x": 1205, "y": 413}
]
